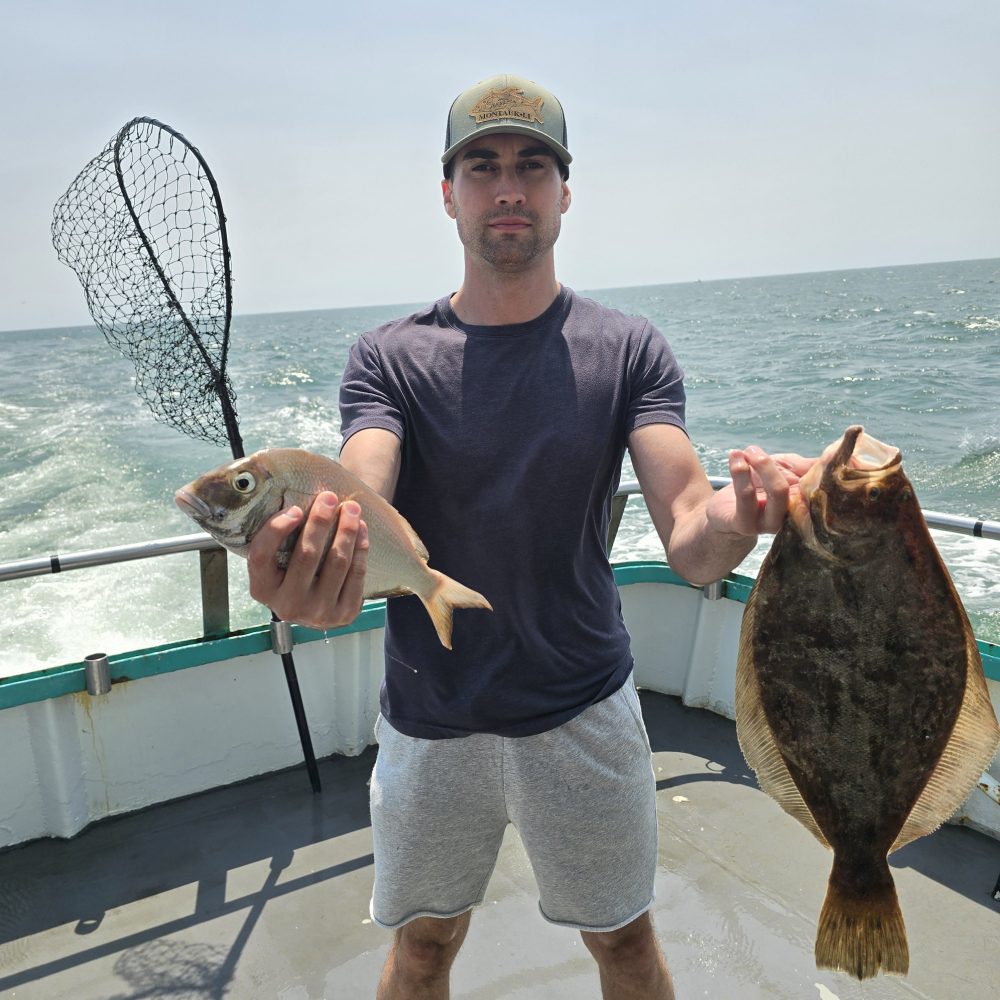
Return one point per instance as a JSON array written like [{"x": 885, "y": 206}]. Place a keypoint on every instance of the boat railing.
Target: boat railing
[
  {"x": 957, "y": 524},
  {"x": 214, "y": 563}
]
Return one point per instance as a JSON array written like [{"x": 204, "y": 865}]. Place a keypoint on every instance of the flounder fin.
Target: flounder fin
[
  {"x": 862, "y": 936},
  {"x": 972, "y": 745},
  {"x": 757, "y": 740},
  {"x": 446, "y": 595}
]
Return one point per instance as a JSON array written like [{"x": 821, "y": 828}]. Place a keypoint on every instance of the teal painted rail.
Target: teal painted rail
[{"x": 69, "y": 678}]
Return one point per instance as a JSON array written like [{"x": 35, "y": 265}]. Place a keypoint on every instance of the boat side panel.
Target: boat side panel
[
  {"x": 192, "y": 716},
  {"x": 75, "y": 759}
]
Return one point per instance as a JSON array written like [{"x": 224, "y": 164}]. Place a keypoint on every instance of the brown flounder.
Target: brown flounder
[
  {"x": 232, "y": 503},
  {"x": 860, "y": 696}
]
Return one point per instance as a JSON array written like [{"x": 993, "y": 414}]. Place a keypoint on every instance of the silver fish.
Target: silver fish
[{"x": 232, "y": 502}]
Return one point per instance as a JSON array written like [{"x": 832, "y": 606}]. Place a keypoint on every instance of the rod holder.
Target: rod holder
[
  {"x": 281, "y": 637},
  {"x": 98, "y": 673},
  {"x": 713, "y": 591}
]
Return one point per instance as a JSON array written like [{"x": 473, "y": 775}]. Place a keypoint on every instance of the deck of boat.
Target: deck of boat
[{"x": 260, "y": 890}]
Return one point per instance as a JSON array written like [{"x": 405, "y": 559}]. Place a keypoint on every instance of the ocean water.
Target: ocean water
[{"x": 913, "y": 353}]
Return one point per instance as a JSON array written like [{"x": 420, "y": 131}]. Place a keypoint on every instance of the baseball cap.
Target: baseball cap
[{"x": 506, "y": 103}]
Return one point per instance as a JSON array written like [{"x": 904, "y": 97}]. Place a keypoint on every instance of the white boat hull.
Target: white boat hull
[{"x": 72, "y": 759}]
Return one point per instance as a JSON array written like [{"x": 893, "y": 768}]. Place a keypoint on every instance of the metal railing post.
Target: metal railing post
[
  {"x": 618, "y": 502},
  {"x": 214, "y": 591}
]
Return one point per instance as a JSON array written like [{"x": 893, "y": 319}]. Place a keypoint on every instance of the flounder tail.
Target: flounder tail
[
  {"x": 446, "y": 595},
  {"x": 862, "y": 934}
]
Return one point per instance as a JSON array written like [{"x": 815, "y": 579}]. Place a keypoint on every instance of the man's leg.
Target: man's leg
[
  {"x": 583, "y": 798},
  {"x": 631, "y": 963},
  {"x": 419, "y": 963},
  {"x": 438, "y": 819}
]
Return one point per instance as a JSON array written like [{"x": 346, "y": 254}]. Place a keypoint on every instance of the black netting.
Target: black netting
[{"x": 142, "y": 227}]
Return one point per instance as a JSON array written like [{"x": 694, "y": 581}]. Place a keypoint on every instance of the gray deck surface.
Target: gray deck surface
[{"x": 261, "y": 891}]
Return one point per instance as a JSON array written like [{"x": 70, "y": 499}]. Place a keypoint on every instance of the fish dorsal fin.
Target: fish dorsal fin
[
  {"x": 757, "y": 740},
  {"x": 418, "y": 545},
  {"x": 970, "y": 748},
  {"x": 397, "y": 521}
]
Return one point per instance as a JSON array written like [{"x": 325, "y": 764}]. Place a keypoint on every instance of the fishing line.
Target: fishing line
[{"x": 143, "y": 228}]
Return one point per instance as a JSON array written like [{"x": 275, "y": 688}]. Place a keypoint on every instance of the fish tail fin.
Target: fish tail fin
[
  {"x": 441, "y": 600},
  {"x": 862, "y": 935}
]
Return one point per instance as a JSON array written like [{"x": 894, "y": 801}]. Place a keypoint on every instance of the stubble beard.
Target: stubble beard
[{"x": 509, "y": 252}]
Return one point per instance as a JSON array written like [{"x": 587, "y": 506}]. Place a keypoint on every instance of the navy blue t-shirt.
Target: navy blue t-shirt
[{"x": 512, "y": 444}]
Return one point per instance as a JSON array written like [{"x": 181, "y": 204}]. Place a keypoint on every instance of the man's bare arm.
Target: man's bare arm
[
  {"x": 706, "y": 534},
  {"x": 374, "y": 456}
]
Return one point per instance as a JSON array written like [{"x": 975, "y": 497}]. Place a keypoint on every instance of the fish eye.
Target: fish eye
[
  {"x": 874, "y": 492},
  {"x": 244, "y": 483}
]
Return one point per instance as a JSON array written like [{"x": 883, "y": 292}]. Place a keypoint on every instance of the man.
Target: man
[{"x": 496, "y": 420}]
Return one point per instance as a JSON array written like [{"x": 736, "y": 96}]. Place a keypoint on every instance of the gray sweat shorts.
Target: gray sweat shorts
[{"x": 581, "y": 796}]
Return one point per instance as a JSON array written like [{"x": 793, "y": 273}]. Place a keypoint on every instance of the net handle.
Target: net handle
[{"x": 218, "y": 376}]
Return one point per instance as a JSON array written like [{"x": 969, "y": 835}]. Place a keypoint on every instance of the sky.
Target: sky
[{"x": 711, "y": 138}]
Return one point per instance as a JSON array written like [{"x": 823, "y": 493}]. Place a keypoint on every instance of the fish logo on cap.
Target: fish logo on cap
[
  {"x": 507, "y": 102},
  {"x": 501, "y": 104}
]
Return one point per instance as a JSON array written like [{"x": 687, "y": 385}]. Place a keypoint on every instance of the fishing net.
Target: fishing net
[{"x": 143, "y": 228}]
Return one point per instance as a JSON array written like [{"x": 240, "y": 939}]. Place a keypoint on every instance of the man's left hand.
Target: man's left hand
[{"x": 758, "y": 499}]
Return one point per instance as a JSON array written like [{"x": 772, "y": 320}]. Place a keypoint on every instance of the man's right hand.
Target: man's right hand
[{"x": 316, "y": 591}]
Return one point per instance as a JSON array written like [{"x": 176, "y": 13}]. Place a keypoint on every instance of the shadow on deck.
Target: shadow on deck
[{"x": 260, "y": 890}]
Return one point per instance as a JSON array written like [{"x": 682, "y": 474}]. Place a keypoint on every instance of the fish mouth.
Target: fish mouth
[
  {"x": 850, "y": 463},
  {"x": 192, "y": 505},
  {"x": 201, "y": 513},
  {"x": 860, "y": 456},
  {"x": 856, "y": 457}
]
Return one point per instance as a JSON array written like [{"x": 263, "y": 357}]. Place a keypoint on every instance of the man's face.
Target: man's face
[{"x": 508, "y": 197}]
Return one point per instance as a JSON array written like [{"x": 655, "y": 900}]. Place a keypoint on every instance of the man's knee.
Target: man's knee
[
  {"x": 632, "y": 946},
  {"x": 428, "y": 945}
]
